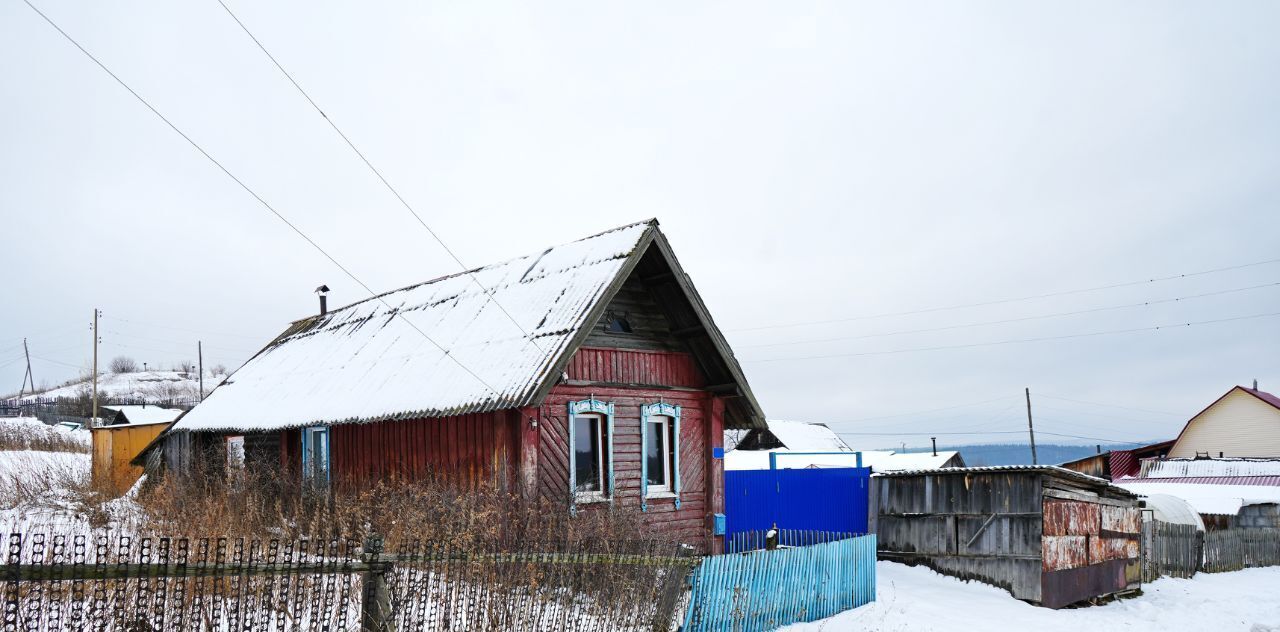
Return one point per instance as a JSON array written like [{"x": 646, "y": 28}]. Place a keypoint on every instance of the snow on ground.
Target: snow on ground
[
  {"x": 915, "y": 598},
  {"x": 142, "y": 384},
  {"x": 30, "y": 433}
]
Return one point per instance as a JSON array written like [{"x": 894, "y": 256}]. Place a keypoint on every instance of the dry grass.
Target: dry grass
[
  {"x": 27, "y": 433},
  {"x": 458, "y": 515}
]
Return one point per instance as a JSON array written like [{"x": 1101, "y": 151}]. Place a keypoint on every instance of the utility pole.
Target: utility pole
[
  {"x": 28, "y": 375},
  {"x": 1031, "y": 429},
  {"x": 200, "y": 361},
  {"x": 93, "y": 421}
]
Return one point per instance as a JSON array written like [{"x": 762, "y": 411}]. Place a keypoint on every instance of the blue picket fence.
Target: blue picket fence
[
  {"x": 763, "y": 590},
  {"x": 833, "y": 500}
]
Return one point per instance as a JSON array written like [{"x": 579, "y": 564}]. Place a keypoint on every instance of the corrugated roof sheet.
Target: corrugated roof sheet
[
  {"x": 1183, "y": 468},
  {"x": 1209, "y": 480},
  {"x": 364, "y": 362},
  {"x": 1060, "y": 472}
]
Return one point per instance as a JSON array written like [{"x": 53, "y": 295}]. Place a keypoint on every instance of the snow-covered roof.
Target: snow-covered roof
[
  {"x": 1184, "y": 468},
  {"x": 1052, "y": 470},
  {"x": 1206, "y": 498},
  {"x": 372, "y": 360},
  {"x": 1166, "y": 508},
  {"x": 788, "y": 459},
  {"x": 799, "y": 436},
  {"x": 896, "y": 462},
  {"x": 138, "y": 415}
]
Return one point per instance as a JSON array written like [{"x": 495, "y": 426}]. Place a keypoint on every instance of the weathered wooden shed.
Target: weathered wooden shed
[
  {"x": 589, "y": 373},
  {"x": 114, "y": 448},
  {"x": 1048, "y": 535}
]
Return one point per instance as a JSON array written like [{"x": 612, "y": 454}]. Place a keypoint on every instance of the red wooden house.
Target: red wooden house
[{"x": 589, "y": 372}]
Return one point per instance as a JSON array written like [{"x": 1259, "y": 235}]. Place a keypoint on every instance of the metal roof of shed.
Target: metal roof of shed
[{"x": 1052, "y": 470}]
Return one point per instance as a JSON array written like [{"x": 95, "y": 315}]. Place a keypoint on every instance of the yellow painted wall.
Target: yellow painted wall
[
  {"x": 114, "y": 447},
  {"x": 1239, "y": 425}
]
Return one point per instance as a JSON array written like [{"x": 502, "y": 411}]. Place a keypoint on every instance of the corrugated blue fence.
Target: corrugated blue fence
[
  {"x": 833, "y": 500},
  {"x": 763, "y": 590}
]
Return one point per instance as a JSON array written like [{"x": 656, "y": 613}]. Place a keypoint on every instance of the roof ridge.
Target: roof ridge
[{"x": 653, "y": 221}]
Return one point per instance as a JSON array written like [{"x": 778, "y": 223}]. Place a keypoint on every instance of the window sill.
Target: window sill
[
  {"x": 660, "y": 495},
  {"x": 590, "y": 497}
]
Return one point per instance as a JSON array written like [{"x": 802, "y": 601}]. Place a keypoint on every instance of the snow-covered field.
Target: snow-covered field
[
  {"x": 157, "y": 385},
  {"x": 916, "y": 598}
]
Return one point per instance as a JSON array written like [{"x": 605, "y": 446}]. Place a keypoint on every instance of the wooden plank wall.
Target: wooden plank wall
[
  {"x": 113, "y": 449},
  {"x": 1169, "y": 549},
  {"x": 689, "y": 523},
  {"x": 1236, "y": 549},
  {"x": 469, "y": 448},
  {"x": 631, "y": 366}
]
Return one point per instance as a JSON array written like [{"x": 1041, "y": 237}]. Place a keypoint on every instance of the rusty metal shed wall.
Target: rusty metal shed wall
[{"x": 1048, "y": 535}]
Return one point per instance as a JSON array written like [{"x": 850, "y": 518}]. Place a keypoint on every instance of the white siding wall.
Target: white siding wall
[{"x": 1238, "y": 425}]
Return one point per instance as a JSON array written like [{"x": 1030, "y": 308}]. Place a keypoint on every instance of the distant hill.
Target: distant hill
[
  {"x": 1020, "y": 453},
  {"x": 151, "y": 386}
]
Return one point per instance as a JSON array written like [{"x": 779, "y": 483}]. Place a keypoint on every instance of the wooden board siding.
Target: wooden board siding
[
  {"x": 650, "y": 326},
  {"x": 1237, "y": 425},
  {"x": 630, "y": 366},
  {"x": 114, "y": 448},
  {"x": 689, "y": 523},
  {"x": 475, "y": 447}
]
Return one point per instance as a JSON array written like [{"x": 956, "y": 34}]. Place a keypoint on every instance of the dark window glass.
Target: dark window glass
[
  {"x": 654, "y": 453},
  {"x": 586, "y": 455}
]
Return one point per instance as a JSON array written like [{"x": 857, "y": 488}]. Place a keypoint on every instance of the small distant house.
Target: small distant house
[
  {"x": 795, "y": 436},
  {"x": 137, "y": 414},
  {"x": 1048, "y": 535},
  {"x": 1244, "y": 422},
  {"x": 612, "y": 386},
  {"x": 1227, "y": 493},
  {"x": 1117, "y": 464}
]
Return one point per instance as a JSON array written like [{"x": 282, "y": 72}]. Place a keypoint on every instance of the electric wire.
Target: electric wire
[
  {"x": 1010, "y": 300},
  {"x": 257, "y": 197},
  {"x": 1012, "y": 320},
  {"x": 466, "y": 270},
  {"x": 1016, "y": 340}
]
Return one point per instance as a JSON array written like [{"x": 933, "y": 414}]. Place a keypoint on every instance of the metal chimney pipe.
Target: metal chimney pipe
[
  {"x": 324, "y": 300},
  {"x": 935, "y": 445}
]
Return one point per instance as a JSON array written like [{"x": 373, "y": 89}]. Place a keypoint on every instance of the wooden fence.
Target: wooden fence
[
  {"x": 118, "y": 583},
  {"x": 766, "y": 589},
  {"x": 1235, "y": 549},
  {"x": 1169, "y": 549}
]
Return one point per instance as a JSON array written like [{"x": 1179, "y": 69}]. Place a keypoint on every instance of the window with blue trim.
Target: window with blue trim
[
  {"x": 315, "y": 457},
  {"x": 659, "y": 453},
  {"x": 591, "y": 450}
]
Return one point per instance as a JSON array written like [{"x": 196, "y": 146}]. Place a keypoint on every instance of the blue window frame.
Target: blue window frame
[
  {"x": 315, "y": 457},
  {"x": 659, "y": 453},
  {"x": 591, "y": 451}
]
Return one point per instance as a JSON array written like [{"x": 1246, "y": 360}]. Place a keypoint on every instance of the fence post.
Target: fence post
[{"x": 375, "y": 599}]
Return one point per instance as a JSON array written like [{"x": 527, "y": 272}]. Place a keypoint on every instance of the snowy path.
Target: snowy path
[{"x": 910, "y": 599}]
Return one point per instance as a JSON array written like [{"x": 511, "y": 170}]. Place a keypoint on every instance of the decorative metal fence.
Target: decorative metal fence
[
  {"x": 766, "y": 589},
  {"x": 833, "y": 499},
  {"x": 102, "y": 583},
  {"x": 1236, "y": 549},
  {"x": 1168, "y": 549}
]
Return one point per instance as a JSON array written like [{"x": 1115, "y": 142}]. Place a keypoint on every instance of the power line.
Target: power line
[
  {"x": 468, "y": 271},
  {"x": 1017, "y": 340},
  {"x": 1014, "y": 320},
  {"x": 186, "y": 329},
  {"x": 74, "y": 366},
  {"x": 920, "y": 412},
  {"x": 1082, "y": 401},
  {"x": 1009, "y": 300},
  {"x": 257, "y": 197}
]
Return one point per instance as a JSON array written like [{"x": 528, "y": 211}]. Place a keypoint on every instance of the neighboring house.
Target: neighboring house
[
  {"x": 1115, "y": 464},
  {"x": 137, "y": 414},
  {"x": 612, "y": 386},
  {"x": 1048, "y": 535},
  {"x": 796, "y": 436},
  {"x": 1245, "y": 422},
  {"x": 1218, "y": 489},
  {"x": 901, "y": 461}
]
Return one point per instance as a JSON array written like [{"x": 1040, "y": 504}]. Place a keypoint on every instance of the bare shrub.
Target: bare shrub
[
  {"x": 26, "y": 433},
  {"x": 123, "y": 364}
]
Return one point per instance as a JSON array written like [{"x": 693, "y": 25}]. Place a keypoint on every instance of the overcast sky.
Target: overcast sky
[{"x": 809, "y": 162}]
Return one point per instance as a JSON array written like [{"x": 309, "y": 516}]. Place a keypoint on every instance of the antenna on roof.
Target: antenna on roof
[{"x": 324, "y": 300}]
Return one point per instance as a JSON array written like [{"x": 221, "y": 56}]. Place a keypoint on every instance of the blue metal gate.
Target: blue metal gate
[{"x": 833, "y": 500}]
